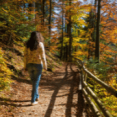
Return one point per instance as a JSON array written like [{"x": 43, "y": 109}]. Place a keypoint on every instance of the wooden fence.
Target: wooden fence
[{"x": 97, "y": 106}]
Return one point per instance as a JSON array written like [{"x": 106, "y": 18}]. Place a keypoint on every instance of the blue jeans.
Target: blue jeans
[{"x": 35, "y": 71}]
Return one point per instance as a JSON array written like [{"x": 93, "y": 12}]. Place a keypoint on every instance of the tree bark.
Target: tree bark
[
  {"x": 97, "y": 50},
  {"x": 69, "y": 33},
  {"x": 43, "y": 11},
  {"x": 61, "y": 52},
  {"x": 66, "y": 52},
  {"x": 50, "y": 10}
]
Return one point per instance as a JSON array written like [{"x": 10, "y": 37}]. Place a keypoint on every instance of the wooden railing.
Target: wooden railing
[{"x": 99, "y": 110}]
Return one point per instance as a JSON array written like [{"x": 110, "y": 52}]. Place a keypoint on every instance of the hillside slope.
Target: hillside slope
[{"x": 13, "y": 59}]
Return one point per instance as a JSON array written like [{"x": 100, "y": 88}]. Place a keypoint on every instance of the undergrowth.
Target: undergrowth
[
  {"x": 107, "y": 74},
  {"x": 5, "y": 73}
]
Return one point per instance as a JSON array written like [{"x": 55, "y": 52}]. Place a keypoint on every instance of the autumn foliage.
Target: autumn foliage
[{"x": 69, "y": 29}]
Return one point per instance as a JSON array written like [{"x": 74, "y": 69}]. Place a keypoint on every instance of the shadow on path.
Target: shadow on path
[
  {"x": 22, "y": 79},
  {"x": 7, "y": 99},
  {"x": 11, "y": 103},
  {"x": 80, "y": 104},
  {"x": 73, "y": 83},
  {"x": 80, "y": 100},
  {"x": 53, "y": 99},
  {"x": 70, "y": 104}
]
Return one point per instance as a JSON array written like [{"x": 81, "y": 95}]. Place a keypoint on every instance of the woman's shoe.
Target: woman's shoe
[{"x": 34, "y": 103}]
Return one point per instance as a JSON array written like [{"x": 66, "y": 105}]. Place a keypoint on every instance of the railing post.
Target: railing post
[{"x": 85, "y": 76}]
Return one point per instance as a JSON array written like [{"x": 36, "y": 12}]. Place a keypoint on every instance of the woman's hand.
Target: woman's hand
[{"x": 45, "y": 69}]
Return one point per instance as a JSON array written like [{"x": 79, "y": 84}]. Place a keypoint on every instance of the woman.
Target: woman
[{"x": 34, "y": 61}]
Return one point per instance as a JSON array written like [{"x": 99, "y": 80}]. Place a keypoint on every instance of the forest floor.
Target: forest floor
[{"x": 59, "y": 96}]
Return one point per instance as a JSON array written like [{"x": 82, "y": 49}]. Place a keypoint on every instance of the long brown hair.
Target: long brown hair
[{"x": 34, "y": 40}]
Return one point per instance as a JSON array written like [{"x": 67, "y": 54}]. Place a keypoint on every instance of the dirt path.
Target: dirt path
[{"x": 59, "y": 96}]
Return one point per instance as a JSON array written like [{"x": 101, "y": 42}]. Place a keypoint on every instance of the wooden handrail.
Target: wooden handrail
[
  {"x": 99, "y": 103},
  {"x": 96, "y": 112},
  {"x": 91, "y": 93},
  {"x": 106, "y": 86}
]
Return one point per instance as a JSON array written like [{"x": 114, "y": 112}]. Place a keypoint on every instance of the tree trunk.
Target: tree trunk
[
  {"x": 66, "y": 52},
  {"x": 97, "y": 50},
  {"x": 69, "y": 33},
  {"x": 61, "y": 52},
  {"x": 43, "y": 11},
  {"x": 50, "y": 22}
]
